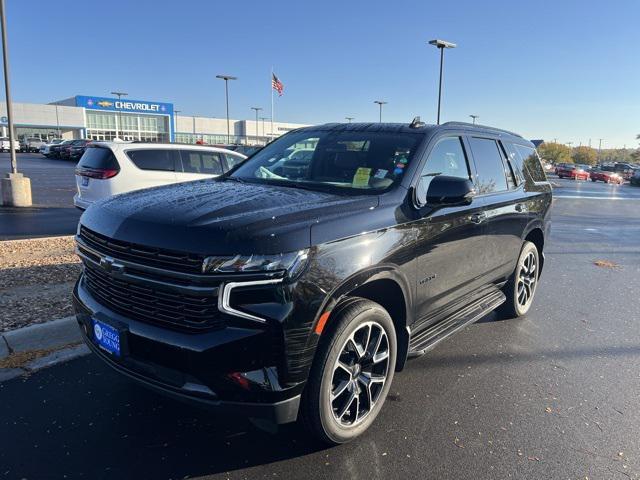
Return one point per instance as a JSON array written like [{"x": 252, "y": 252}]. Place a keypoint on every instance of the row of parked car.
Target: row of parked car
[{"x": 609, "y": 173}]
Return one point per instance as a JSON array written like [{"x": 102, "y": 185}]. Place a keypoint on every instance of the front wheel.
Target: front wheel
[
  {"x": 352, "y": 372},
  {"x": 520, "y": 289}
]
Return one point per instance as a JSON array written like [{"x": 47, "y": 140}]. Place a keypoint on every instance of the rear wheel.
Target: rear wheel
[
  {"x": 520, "y": 289},
  {"x": 352, "y": 372}
]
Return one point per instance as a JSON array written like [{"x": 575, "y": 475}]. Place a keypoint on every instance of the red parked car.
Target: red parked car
[
  {"x": 574, "y": 172},
  {"x": 606, "y": 177}
]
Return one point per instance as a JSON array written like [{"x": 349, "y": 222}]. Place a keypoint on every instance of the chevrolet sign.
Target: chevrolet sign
[{"x": 100, "y": 103}]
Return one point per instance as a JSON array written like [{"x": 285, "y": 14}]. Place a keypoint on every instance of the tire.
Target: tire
[
  {"x": 593, "y": 179},
  {"x": 337, "y": 371},
  {"x": 515, "y": 306}
]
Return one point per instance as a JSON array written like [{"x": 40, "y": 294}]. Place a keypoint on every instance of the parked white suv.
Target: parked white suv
[
  {"x": 109, "y": 168},
  {"x": 5, "y": 145},
  {"x": 46, "y": 148}
]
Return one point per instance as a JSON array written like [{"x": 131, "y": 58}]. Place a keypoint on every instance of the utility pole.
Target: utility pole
[
  {"x": 226, "y": 79},
  {"x": 15, "y": 187},
  {"x": 348, "y": 119},
  {"x": 380, "y": 102},
  {"x": 120, "y": 95},
  {"x": 257, "y": 109},
  {"x": 175, "y": 123},
  {"x": 474, "y": 117},
  {"x": 441, "y": 45},
  {"x": 599, "y": 148}
]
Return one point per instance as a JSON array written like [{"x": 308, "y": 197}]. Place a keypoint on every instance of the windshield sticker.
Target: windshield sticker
[
  {"x": 400, "y": 165},
  {"x": 381, "y": 173},
  {"x": 361, "y": 177},
  {"x": 398, "y": 171}
]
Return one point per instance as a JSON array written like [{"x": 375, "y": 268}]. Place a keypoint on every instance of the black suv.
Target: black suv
[{"x": 295, "y": 286}]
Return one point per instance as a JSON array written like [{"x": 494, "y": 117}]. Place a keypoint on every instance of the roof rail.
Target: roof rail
[{"x": 486, "y": 127}]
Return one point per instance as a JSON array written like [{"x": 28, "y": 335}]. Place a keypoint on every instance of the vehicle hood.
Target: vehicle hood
[{"x": 222, "y": 217}]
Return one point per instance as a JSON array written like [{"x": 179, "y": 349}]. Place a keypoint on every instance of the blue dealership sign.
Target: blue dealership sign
[{"x": 124, "y": 105}]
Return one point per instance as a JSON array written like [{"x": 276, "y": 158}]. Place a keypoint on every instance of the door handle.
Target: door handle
[
  {"x": 478, "y": 217},
  {"x": 520, "y": 207}
]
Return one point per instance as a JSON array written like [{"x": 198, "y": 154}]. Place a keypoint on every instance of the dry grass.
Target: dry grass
[
  {"x": 606, "y": 264},
  {"x": 21, "y": 359}
]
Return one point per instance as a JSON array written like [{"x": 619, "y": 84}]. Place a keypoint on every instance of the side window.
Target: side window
[
  {"x": 196, "y": 161},
  {"x": 162, "y": 160},
  {"x": 531, "y": 162},
  {"x": 233, "y": 160},
  {"x": 446, "y": 158},
  {"x": 491, "y": 172},
  {"x": 514, "y": 161}
]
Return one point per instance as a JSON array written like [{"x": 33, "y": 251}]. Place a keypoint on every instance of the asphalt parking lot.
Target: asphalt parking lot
[
  {"x": 52, "y": 189},
  {"x": 553, "y": 395}
]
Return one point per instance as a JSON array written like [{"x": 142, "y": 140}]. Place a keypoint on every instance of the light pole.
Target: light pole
[
  {"x": 599, "y": 148},
  {"x": 441, "y": 45},
  {"x": 57, "y": 121},
  {"x": 348, "y": 119},
  {"x": 474, "y": 117},
  {"x": 380, "y": 102},
  {"x": 175, "y": 123},
  {"x": 7, "y": 88},
  {"x": 257, "y": 109},
  {"x": 226, "y": 79},
  {"x": 263, "y": 119},
  {"x": 120, "y": 95}
]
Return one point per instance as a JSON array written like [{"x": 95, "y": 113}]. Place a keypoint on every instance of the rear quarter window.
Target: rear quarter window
[
  {"x": 531, "y": 162},
  {"x": 154, "y": 159},
  {"x": 99, "y": 158}
]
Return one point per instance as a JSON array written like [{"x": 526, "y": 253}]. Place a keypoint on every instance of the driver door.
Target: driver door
[{"x": 450, "y": 250}]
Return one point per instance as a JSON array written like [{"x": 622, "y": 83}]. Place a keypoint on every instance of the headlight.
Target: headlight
[{"x": 291, "y": 262}]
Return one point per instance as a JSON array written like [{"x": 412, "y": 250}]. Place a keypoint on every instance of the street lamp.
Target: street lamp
[
  {"x": 175, "y": 123},
  {"x": 257, "y": 109},
  {"x": 441, "y": 45},
  {"x": 380, "y": 102},
  {"x": 120, "y": 95},
  {"x": 226, "y": 79},
  {"x": 348, "y": 119},
  {"x": 474, "y": 117},
  {"x": 263, "y": 119}
]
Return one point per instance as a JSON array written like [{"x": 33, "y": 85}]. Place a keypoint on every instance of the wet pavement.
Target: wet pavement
[{"x": 553, "y": 395}]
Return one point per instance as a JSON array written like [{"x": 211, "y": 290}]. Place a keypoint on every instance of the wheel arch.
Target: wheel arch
[
  {"x": 383, "y": 285},
  {"x": 535, "y": 235}
]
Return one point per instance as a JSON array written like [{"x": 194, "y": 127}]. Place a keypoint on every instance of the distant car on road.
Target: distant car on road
[
  {"x": 55, "y": 150},
  {"x": 5, "y": 144},
  {"x": 31, "y": 144},
  {"x": 572, "y": 171},
  {"x": 46, "y": 148},
  {"x": 109, "y": 168},
  {"x": 606, "y": 177},
  {"x": 65, "y": 152}
]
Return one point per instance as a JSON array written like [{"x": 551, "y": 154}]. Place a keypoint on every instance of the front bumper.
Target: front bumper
[{"x": 202, "y": 367}]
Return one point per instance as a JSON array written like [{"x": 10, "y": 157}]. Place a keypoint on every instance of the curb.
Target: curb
[{"x": 41, "y": 346}]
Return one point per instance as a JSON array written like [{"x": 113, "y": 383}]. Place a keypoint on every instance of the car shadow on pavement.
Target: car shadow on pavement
[{"x": 81, "y": 419}]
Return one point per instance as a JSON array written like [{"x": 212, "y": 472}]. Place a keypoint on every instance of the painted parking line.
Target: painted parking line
[{"x": 594, "y": 197}]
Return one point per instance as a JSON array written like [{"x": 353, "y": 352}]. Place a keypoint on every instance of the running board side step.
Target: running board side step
[{"x": 424, "y": 340}]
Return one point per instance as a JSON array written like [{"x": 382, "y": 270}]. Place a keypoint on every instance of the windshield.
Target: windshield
[{"x": 349, "y": 160}]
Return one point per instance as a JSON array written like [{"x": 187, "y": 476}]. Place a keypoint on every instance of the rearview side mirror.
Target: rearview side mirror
[{"x": 450, "y": 191}]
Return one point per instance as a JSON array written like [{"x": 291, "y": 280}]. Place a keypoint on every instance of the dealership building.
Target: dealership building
[{"x": 102, "y": 118}]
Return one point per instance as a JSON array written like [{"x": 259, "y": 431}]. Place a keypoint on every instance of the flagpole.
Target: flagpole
[{"x": 271, "y": 83}]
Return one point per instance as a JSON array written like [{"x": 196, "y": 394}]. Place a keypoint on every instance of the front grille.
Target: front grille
[
  {"x": 143, "y": 255},
  {"x": 152, "y": 305}
]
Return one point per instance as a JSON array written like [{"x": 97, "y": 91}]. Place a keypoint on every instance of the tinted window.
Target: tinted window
[
  {"x": 233, "y": 160},
  {"x": 195, "y": 161},
  {"x": 100, "y": 158},
  {"x": 163, "y": 160},
  {"x": 532, "y": 163},
  {"x": 333, "y": 159},
  {"x": 491, "y": 172},
  {"x": 446, "y": 158}
]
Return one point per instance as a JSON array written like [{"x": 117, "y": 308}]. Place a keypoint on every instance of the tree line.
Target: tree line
[{"x": 560, "y": 153}]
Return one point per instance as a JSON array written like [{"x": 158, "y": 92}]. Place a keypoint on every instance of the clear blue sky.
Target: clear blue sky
[{"x": 568, "y": 69}]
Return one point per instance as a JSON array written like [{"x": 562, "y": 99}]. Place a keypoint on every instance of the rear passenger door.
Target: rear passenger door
[
  {"x": 505, "y": 206},
  {"x": 154, "y": 167},
  {"x": 199, "y": 164}
]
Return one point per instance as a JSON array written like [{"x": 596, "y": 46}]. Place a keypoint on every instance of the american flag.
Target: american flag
[{"x": 276, "y": 84}]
